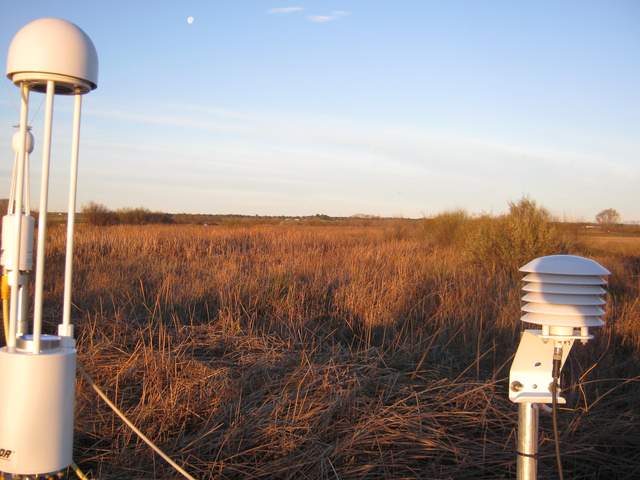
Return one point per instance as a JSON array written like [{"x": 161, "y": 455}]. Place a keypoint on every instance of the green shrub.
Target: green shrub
[
  {"x": 510, "y": 241},
  {"x": 448, "y": 228}
]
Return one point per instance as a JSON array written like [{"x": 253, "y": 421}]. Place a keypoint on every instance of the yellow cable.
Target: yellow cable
[
  {"x": 78, "y": 472},
  {"x": 122, "y": 416},
  {"x": 4, "y": 290}
]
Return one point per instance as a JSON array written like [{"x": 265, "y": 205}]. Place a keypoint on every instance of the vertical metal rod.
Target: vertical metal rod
[
  {"x": 23, "y": 303},
  {"x": 12, "y": 192},
  {"x": 527, "y": 441},
  {"x": 67, "y": 329},
  {"x": 17, "y": 229},
  {"x": 27, "y": 186},
  {"x": 42, "y": 217}
]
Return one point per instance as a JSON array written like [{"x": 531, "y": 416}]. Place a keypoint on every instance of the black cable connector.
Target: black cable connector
[{"x": 557, "y": 363}]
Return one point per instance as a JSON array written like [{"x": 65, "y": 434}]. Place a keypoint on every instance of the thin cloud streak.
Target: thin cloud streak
[
  {"x": 320, "y": 18},
  {"x": 299, "y": 151},
  {"x": 400, "y": 144},
  {"x": 167, "y": 120},
  {"x": 285, "y": 10},
  {"x": 335, "y": 15}
]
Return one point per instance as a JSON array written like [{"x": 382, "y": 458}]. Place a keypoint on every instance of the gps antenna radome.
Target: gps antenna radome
[{"x": 54, "y": 57}]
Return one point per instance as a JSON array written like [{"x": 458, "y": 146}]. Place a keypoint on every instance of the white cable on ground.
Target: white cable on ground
[{"x": 122, "y": 416}]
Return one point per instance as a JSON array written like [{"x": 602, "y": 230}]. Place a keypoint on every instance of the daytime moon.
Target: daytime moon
[{"x": 190, "y": 19}]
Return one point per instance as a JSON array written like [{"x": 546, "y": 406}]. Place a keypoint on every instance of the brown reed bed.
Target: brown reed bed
[{"x": 337, "y": 352}]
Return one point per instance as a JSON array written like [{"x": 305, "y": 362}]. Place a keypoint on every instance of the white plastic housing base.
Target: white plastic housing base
[
  {"x": 36, "y": 411},
  {"x": 531, "y": 372},
  {"x": 26, "y": 244}
]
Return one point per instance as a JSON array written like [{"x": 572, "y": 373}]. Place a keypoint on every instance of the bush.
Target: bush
[
  {"x": 510, "y": 241},
  {"x": 448, "y": 228},
  {"x": 142, "y": 216},
  {"x": 97, "y": 214}
]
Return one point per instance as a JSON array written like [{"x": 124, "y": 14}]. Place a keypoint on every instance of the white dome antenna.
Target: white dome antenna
[
  {"x": 564, "y": 296},
  {"x": 53, "y": 49},
  {"x": 50, "y": 56}
]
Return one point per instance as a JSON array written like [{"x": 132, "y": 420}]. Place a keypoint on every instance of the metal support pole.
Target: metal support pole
[
  {"x": 17, "y": 232},
  {"x": 23, "y": 306},
  {"x": 66, "y": 329},
  {"x": 12, "y": 192},
  {"x": 527, "y": 441},
  {"x": 27, "y": 185},
  {"x": 42, "y": 219}
]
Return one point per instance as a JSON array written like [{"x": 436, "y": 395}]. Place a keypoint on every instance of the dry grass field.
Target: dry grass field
[
  {"x": 625, "y": 245},
  {"x": 335, "y": 352}
]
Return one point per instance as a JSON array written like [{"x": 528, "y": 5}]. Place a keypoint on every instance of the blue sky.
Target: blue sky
[{"x": 348, "y": 106}]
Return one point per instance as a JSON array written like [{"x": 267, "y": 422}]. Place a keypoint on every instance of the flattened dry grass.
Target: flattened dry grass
[{"x": 325, "y": 353}]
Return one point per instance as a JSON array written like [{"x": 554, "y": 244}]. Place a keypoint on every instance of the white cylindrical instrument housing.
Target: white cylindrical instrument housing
[
  {"x": 36, "y": 409},
  {"x": 26, "y": 242}
]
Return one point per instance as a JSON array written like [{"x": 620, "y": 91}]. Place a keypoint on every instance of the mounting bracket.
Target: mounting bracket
[{"x": 530, "y": 377}]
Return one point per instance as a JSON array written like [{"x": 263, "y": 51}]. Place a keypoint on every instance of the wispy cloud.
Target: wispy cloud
[
  {"x": 335, "y": 15},
  {"x": 320, "y": 18},
  {"x": 284, "y": 10},
  {"x": 323, "y": 18},
  {"x": 278, "y": 162}
]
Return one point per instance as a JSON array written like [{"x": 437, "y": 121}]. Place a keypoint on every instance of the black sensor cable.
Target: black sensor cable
[{"x": 555, "y": 387}]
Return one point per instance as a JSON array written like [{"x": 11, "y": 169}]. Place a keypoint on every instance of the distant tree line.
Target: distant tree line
[
  {"x": 445, "y": 228},
  {"x": 97, "y": 214}
]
